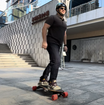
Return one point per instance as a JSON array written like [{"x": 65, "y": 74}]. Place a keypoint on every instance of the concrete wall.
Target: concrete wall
[
  {"x": 24, "y": 38},
  {"x": 90, "y": 48}
]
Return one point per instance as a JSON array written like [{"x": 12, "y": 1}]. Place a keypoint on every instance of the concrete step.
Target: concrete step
[
  {"x": 11, "y": 60},
  {"x": 15, "y": 66},
  {"x": 8, "y": 55},
  {"x": 4, "y": 48},
  {"x": 4, "y": 51},
  {"x": 14, "y": 62},
  {"x": 28, "y": 59},
  {"x": 8, "y": 59},
  {"x": 32, "y": 63}
]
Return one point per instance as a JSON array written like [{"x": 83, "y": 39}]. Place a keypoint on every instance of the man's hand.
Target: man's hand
[
  {"x": 44, "y": 45},
  {"x": 44, "y": 35},
  {"x": 65, "y": 48}
]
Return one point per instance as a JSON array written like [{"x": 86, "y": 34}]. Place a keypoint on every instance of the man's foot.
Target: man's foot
[
  {"x": 53, "y": 85},
  {"x": 43, "y": 82}
]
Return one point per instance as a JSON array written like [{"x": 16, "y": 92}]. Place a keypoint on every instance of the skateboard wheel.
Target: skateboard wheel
[
  {"x": 65, "y": 94},
  {"x": 34, "y": 88},
  {"x": 54, "y": 97}
]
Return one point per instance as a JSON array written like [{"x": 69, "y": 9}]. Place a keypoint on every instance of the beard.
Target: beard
[{"x": 60, "y": 13}]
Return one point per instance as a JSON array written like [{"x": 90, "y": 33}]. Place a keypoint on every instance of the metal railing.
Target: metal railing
[{"x": 94, "y": 4}]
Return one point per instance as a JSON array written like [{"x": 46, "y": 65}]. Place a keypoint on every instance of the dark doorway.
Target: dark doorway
[{"x": 67, "y": 58}]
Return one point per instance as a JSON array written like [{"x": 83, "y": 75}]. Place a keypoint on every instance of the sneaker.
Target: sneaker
[
  {"x": 43, "y": 82},
  {"x": 53, "y": 85}
]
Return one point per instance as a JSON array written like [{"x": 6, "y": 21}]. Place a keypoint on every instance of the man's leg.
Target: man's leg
[
  {"x": 46, "y": 72},
  {"x": 54, "y": 61},
  {"x": 43, "y": 78},
  {"x": 54, "y": 64}
]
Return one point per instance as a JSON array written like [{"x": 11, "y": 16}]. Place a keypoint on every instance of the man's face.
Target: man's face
[{"x": 62, "y": 10}]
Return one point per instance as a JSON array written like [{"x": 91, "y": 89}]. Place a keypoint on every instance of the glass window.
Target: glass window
[
  {"x": 8, "y": 4},
  {"x": 21, "y": 1},
  {"x": 101, "y": 3},
  {"x": 0, "y": 12}
]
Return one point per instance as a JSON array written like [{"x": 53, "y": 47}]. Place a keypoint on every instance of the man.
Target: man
[{"x": 56, "y": 27}]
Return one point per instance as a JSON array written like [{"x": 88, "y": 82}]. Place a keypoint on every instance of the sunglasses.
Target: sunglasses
[{"x": 63, "y": 8}]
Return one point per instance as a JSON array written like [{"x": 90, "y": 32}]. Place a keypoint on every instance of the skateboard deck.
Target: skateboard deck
[
  {"x": 48, "y": 89},
  {"x": 56, "y": 93}
]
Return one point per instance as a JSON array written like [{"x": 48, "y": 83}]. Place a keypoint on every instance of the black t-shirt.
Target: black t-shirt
[{"x": 57, "y": 29}]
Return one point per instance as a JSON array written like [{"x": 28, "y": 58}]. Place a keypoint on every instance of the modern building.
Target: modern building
[
  {"x": 19, "y": 8},
  {"x": 85, "y": 32},
  {"x": 2, "y": 20}
]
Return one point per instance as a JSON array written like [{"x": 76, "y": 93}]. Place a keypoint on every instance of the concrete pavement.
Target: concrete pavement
[{"x": 84, "y": 82}]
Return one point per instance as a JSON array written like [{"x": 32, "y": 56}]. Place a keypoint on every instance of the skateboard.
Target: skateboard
[{"x": 56, "y": 93}]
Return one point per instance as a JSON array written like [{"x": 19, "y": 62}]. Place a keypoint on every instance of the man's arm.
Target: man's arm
[
  {"x": 65, "y": 41},
  {"x": 44, "y": 34}
]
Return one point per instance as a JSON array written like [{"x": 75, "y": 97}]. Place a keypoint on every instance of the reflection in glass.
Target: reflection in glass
[{"x": 21, "y": 8}]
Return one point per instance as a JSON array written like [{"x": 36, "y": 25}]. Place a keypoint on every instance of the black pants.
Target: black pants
[{"x": 54, "y": 64}]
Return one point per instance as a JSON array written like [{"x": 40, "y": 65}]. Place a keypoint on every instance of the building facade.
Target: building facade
[
  {"x": 24, "y": 36},
  {"x": 2, "y": 20},
  {"x": 85, "y": 32},
  {"x": 19, "y": 8}
]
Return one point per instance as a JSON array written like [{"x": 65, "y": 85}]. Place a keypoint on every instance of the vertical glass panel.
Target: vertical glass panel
[
  {"x": 100, "y": 3},
  {"x": 21, "y": 1},
  {"x": 27, "y": 10}
]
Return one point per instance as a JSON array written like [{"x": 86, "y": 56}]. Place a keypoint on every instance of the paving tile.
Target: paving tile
[
  {"x": 97, "y": 102},
  {"x": 83, "y": 82}
]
